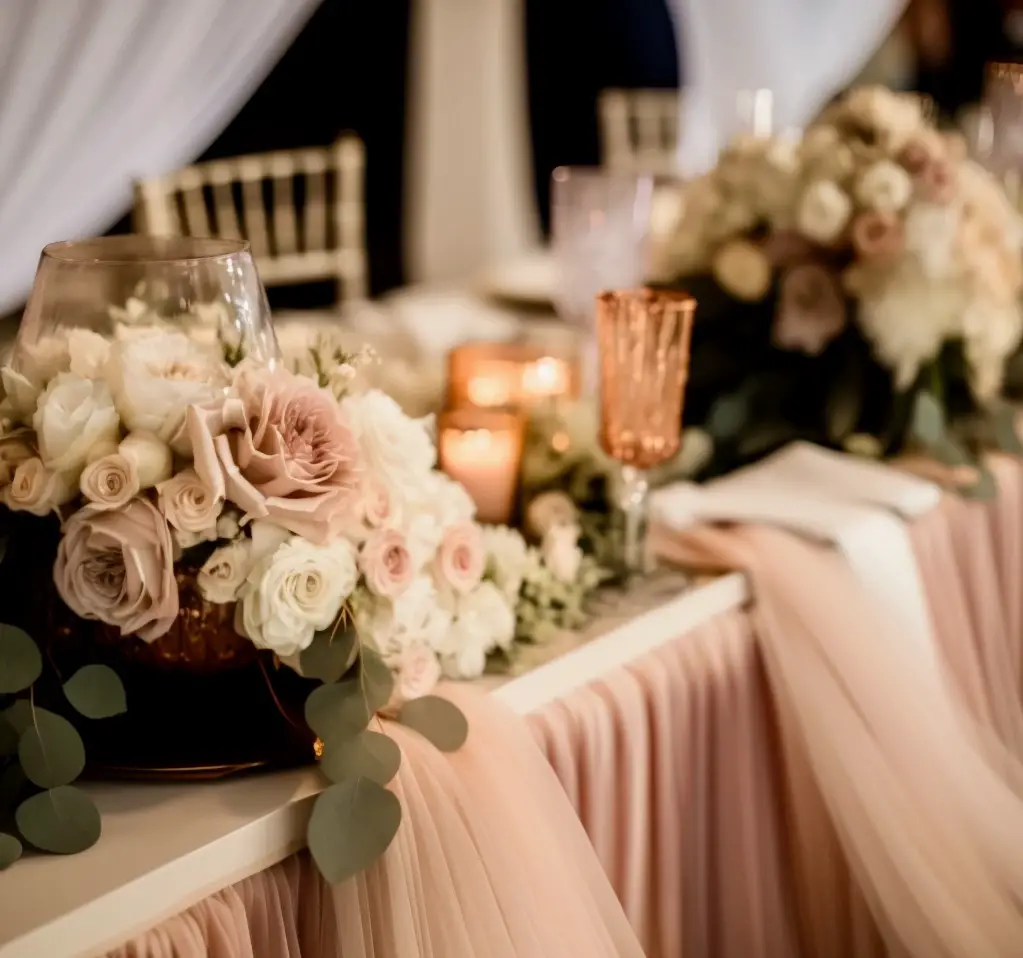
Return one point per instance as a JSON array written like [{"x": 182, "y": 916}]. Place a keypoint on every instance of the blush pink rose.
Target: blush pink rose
[
  {"x": 416, "y": 672},
  {"x": 386, "y": 563},
  {"x": 462, "y": 557},
  {"x": 280, "y": 449},
  {"x": 117, "y": 567},
  {"x": 376, "y": 503},
  {"x": 878, "y": 238},
  {"x": 811, "y": 310}
]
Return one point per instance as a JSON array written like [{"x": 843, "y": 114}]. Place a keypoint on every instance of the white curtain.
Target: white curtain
[
  {"x": 803, "y": 51},
  {"x": 96, "y": 93}
]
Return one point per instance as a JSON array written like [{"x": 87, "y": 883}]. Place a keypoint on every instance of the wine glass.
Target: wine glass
[
  {"x": 644, "y": 337},
  {"x": 120, "y": 285},
  {"x": 600, "y": 226}
]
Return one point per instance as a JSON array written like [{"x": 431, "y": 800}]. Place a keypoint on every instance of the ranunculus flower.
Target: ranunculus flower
[
  {"x": 281, "y": 450},
  {"x": 151, "y": 455},
  {"x": 117, "y": 567},
  {"x": 462, "y": 557},
  {"x": 295, "y": 592},
  {"x": 110, "y": 482},
  {"x": 878, "y": 237},
  {"x": 73, "y": 415},
  {"x": 38, "y": 490},
  {"x": 224, "y": 572},
  {"x": 190, "y": 507},
  {"x": 561, "y": 552},
  {"x": 155, "y": 378},
  {"x": 397, "y": 449},
  {"x": 811, "y": 310},
  {"x": 386, "y": 563},
  {"x": 416, "y": 672}
]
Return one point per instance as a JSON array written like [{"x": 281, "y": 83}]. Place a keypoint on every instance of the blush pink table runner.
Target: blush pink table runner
[{"x": 714, "y": 837}]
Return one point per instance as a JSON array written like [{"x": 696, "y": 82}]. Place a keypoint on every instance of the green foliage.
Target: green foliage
[
  {"x": 437, "y": 720},
  {"x": 42, "y": 753}
]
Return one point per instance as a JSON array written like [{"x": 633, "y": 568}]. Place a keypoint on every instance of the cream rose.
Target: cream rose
[
  {"x": 110, "y": 482},
  {"x": 73, "y": 416},
  {"x": 154, "y": 379},
  {"x": 416, "y": 672},
  {"x": 742, "y": 270},
  {"x": 561, "y": 552},
  {"x": 35, "y": 365},
  {"x": 152, "y": 457},
  {"x": 397, "y": 450},
  {"x": 38, "y": 490},
  {"x": 88, "y": 353},
  {"x": 295, "y": 592},
  {"x": 118, "y": 567},
  {"x": 15, "y": 448},
  {"x": 190, "y": 507},
  {"x": 823, "y": 212},
  {"x": 224, "y": 572},
  {"x": 386, "y": 563},
  {"x": 462, "y": 557},
  {"x": 884, "y": 187}
]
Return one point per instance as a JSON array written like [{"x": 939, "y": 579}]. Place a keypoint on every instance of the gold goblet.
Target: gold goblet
[{"x": 644, "y": 337}]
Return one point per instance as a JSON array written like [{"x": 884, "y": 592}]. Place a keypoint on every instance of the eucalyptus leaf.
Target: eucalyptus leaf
[
  {"x": 984, "y": 489},
  {"x": 19, "y": 716},
  {"x": 20, "y": 660},
  {"x": 437, "y": 720},
  {"x": 96, "y": 691},
  {"x": 950, "y": 453},
  {"x": 337, "y": 710},
  {"x": 351, "y": 826},
  {"x": 8, "y": 737},
  {"x": 369, "y": 755},
  {"x": 376, "y": 678},
  {"x": 63, "y": 821},
  {"x": 330, "y": 655},
  {"x": 51, "y": 750},
  {"x": 1006, "y": 437},
  {"x": 927, "y": 423},
  {"x": 727, "y": 416},
  {"x": 10, "y": 850}
]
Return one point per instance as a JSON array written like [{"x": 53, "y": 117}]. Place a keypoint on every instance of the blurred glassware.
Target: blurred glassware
[
  {"x": 977, "y": 126},
  {"x": 644, "y": 338},
  {"x": 600, "y": 227},
  {"x": 1003, "y": 107},
  {"x": 207, "y": 288}
]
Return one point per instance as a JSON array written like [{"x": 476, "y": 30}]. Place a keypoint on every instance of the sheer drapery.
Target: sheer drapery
[
  {"x": 803, "y": 51},
  {"x": 96, "y": 93}
]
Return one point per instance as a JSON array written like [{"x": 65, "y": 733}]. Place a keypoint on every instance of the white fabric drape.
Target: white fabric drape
[
  {"x": 96, "y": 93},
  {"x": 470, "y": 202},
  {"x": 803, "y": 51}
]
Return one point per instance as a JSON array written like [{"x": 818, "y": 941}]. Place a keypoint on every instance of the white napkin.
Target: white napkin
[{"x": 873, "y": 541}]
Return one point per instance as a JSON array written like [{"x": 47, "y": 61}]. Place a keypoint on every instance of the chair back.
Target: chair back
[
  {"x": 302, "y": 211},
  {"x": 639, "y": 131}
]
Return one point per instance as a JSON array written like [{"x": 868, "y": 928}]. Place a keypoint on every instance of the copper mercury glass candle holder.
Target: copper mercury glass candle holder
[{"x": 644, "y": 337}]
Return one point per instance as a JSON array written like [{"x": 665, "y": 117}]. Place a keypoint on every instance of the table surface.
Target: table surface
[{"x": 166, "y": 847}]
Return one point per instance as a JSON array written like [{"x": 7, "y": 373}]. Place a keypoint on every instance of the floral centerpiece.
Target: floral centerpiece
[
  {"x": 300, "y": 519},
  {"x": 858, "y": 287}
]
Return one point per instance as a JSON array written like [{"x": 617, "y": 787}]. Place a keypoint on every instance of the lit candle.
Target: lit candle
[
  {"x": 482, "y": 449},
  {"x": 496, "y": 375},
  {"x": 546, "y": 378}
]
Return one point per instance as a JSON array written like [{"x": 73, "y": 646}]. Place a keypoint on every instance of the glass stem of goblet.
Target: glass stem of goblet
[{"x": 633, "y": 505}]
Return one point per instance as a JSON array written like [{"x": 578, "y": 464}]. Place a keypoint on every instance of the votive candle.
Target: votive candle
[
  {"x": 507, "y": 375},
  {"x": 482, "y": 449}
]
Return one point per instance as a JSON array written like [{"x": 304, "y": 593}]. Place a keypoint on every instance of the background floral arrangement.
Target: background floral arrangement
[
  {"x": 858, "y": 287},
  {"x": 312, "y": 510}
]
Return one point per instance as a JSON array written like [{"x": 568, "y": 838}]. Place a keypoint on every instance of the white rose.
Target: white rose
[
  {"x": 416, "y": 672},
  {"x": 823, "y": 212},
  {"x": 74, "y": 414},
  {"x": 561, "y": 552},
  {"x": 154, "y": 379},
  {"x": 397, "y": 450},
  {"x": 507, "y": 558},
  {"x": 109, "y": 482},
  {"x": 88, "y": 353},
  {"x": 189, "y": 507},
  {"x": 295, "y": 592},
  {"x": 491, "y": 612},
  {"x": 228, "y": 526},
  {"x": 416, "y": 616},
  {"x": 742, "y": 270},
  {"x": 35, "y": 366},
  {"x": 152, "y": 457},
  {"x": 224, "y": 572},
  {"x": 38, "y": 490},
  {"x": 885, "y": 187}
]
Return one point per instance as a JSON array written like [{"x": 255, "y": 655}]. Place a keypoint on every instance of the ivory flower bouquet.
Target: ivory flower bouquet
[
  {"x": 858, "y": 287},
  {"x": 204, "y": 516}
]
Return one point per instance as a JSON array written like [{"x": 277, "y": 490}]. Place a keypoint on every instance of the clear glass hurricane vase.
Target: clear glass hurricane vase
[
  {"x": 207, "y": 288},
  {"x": 644, "y": 337}
]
